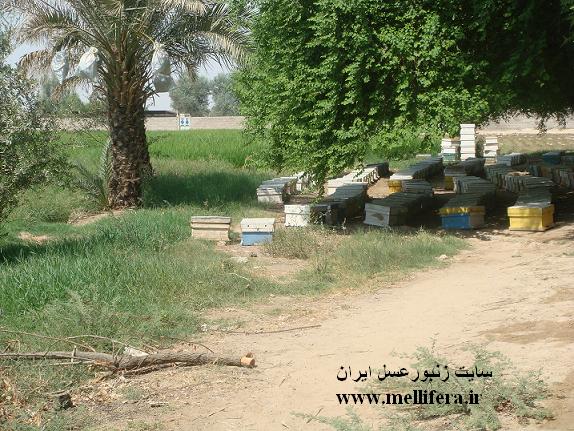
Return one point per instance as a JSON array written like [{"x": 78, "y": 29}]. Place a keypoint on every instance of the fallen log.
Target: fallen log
[{"x": 128, "y": 362}]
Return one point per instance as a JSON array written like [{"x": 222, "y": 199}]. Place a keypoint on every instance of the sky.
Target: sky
[{"x": 161, "y": 102}]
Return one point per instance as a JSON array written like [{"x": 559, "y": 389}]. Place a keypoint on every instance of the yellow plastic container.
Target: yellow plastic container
[
  {"x": 531, "y": 218},
  {"x": 448, "y": 183},
  {"x": 462, "y": 210}
]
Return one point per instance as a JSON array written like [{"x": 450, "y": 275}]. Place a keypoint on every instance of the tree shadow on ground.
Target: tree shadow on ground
[{"x": 206, "y": 188}]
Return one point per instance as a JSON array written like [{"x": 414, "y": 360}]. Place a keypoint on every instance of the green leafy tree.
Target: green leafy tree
[
  {"x": 191, "y": 96},
  {"x": 225, "y": 101},
  {"x": 330, "y": 79},
  {"x": 125, "y": 32},
  {"x": 28, "y": 152}
]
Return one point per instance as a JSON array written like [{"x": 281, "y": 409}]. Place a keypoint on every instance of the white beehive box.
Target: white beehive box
[
  {"x": 297, "y": 215},
  {"x": 271, "y": 194},
  {"x": 258, "y": 225},
  {"x": 210, "y": 227},
  {"x": 256, "y": 231}
]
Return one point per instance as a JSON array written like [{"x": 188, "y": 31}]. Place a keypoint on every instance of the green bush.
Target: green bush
[{"x": 28, "y": 153}]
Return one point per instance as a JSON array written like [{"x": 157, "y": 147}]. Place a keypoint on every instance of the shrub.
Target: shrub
[{"x": 28, "y": 154}]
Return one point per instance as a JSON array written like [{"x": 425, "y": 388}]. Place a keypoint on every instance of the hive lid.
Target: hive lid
[{"x": 211, "y": 219}]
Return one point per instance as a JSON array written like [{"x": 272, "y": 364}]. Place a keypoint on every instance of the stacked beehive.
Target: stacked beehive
[
  {"x": 464, "y": 211},
  {"x": 417, "y": 186},
  {"x": 496, "y": 174},
  {"x": 395, "y": 209},
  {"x": 567, "y": 177},
  {"x": 472, "y": 167},
  {"x": 519, "y": 182},
  {"x": 474, "y": 185},
  {"x": 511, "y": 159},
  {"x": 346, "y": 201},
  {"x": 450, "y": 149},
  {"x": 212, "y": 228},
  {"x": 351, "y": 199},
  {"x": 381, "y": 169},
  {"x": 328, "y": 213},
  {"x": 490, "y": 150},
  {"x": 452, "y": 172},
  {"x": 421, "y": 170},
  {"x": 366, "y": 176},
  {"x": 277, "y": 190},
  {"x": 467, "y": 141},
  {"x": 255, "y": 231}
]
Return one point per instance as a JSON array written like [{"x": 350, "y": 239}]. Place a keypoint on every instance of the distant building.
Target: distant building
[{"x": 160, "y": 114}]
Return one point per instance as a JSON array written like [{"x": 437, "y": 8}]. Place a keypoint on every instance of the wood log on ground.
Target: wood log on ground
[{"x": 127, "y": 362}]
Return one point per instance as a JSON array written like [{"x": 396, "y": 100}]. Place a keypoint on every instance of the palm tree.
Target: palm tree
[{"x": 125, "y": 33}]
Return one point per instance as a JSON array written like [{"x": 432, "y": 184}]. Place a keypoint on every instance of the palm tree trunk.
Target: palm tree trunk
[{"x": 130, "y": 156}]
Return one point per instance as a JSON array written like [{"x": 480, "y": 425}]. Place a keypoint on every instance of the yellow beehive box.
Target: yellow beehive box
[
  {"x": 535, "y": 217},
  {"x": 479, "y": 209},
  {"x": 395, "y": 186}
]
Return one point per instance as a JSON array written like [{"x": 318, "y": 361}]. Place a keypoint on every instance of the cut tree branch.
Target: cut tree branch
[{"x": 128, "y": 362}]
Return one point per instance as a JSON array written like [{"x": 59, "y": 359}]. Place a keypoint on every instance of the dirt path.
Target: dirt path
[{"x": 512, "y": 293}]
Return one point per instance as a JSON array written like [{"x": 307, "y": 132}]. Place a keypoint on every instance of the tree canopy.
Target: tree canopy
[
  {"x": 191, "y": 96},
  {"x": 121, "y": 38},
  {"x": 330, "y": 79},
  {"x": 225, "y": 101}
]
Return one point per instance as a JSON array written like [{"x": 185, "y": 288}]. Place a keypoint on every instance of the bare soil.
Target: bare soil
[{"x": 510, "y": 292}]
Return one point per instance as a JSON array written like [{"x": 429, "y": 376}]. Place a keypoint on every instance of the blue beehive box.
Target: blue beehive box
[
  {"x": 462, "y": 221},
  {"x": 255, "y": 231}
]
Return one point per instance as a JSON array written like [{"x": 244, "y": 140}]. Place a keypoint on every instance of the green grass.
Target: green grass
[{"x": 226, "y": 145}]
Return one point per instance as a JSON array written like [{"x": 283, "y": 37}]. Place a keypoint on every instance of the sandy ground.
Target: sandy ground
[{"x": 511, "y": 292}]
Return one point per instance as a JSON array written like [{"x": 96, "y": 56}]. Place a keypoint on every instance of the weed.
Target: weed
[
  {"x": 295, "y": 243},
  {"x": 508, "y": 392},
  {"x": 96, "y": 185}
]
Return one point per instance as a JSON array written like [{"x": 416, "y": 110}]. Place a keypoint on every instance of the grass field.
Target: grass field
[
  {"x": 536, "y": 143},
  {"x": 141, "y": 279}
]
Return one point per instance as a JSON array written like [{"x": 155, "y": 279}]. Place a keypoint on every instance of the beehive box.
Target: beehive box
[
  {"x": 384, "y": 216},
  {"x": 256, "y": 231},
  {"x": 552, "y": 157},
  {"x": 395, "y": 186},
  {"x": 382, "y": 168},
  {"x": 463, "y": 221},
  {"x": 328, "y": 213},
  {"x": 212, "y": 228},
  {"x": 531, "y": 217},
  {"x": 448, "y": 183},
  {"x": 297, "y": 215},
  {"x": 271, "y": 194},
  {"x": 453, "y": 210}
]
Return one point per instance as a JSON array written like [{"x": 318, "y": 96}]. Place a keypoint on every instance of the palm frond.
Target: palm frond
[
  {"x": 36, "y": 61},
  {"x": 190, "y": 6}
]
